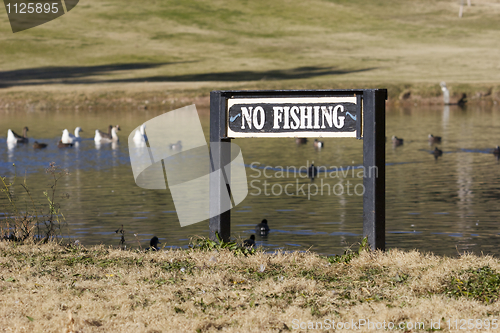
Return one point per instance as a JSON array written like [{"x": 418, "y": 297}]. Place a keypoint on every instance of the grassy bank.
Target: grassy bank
[
  {"x": 123, "y": 53},
  {"x": 168, "y": 96},
  {"x": 54, "y": 288}
]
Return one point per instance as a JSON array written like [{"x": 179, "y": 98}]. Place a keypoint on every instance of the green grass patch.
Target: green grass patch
[
  {"x": 205, "y": 244},
  {"x": 482, "y": 284},
  {"x": 392, "y": 41}
]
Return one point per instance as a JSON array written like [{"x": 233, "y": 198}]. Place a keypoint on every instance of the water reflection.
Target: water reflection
[{"x": 443, "y": 206}]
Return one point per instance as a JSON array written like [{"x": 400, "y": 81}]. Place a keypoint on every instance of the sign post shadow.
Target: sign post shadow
[{"x": 356, "y": 113}]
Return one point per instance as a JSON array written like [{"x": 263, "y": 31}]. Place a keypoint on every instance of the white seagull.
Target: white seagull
[
  {"x": 67, "y": 137},
  {"x": 140, "y": 135}
]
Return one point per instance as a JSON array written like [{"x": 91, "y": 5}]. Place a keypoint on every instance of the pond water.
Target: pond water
[{"x": 446, "y": 206}]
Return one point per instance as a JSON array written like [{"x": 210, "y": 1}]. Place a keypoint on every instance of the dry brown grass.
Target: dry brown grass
[{"x": 51, "y": 288}]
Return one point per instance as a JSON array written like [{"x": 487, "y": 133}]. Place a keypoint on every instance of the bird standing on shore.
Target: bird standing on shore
[
  {"x": 446, "y": 93},
  {"x": 262, "y": 228},
  {"x": 463, "y": 100}
]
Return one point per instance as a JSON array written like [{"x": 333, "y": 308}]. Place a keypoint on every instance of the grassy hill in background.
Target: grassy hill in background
[{"x": 200, "y": 45}]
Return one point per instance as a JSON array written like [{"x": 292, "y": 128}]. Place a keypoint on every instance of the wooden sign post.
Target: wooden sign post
[{"x": 303, "y": 113}]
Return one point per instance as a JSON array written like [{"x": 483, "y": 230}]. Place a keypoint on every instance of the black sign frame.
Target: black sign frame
[
  {"x": 370, "y": 128},
  {"x": 313, "y": 117}
]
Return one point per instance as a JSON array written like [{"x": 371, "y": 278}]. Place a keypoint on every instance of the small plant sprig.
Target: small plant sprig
[
  {"x": 16, "y": 226},
  {"x": 205, "y": 244},
  {"x": 53, "y": 223},
  {"x": 138, "y": 242},
  {"x": 122, "y": 240},
  {"x": 20, "y": 226},
  {"x": 349, "y": 254}
]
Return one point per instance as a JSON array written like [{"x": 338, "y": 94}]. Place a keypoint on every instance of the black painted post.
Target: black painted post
[
  {"x": 220, "y": 223},
  {"x": 373, "y": 158},
  {"x": 374, "y": 165}
]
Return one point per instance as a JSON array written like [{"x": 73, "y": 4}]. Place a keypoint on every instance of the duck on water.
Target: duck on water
[
  {"x": 140, "y": 135},
  {"x": 262, "y": 228},
  {"x": 437, "y": 152},
  {"x": 176, "y": 146},
  {"x": 101, "y": 137},
  {"x": 496, "y": 152},
  {"x": 67, "y": 137},
  {"x": 312, "y": 172},
  {"x": 153, "y": 244},
  {"x": 13, "y": 137},
  {"x": 434, "y": 139},
  {"x": 38, "y": 145},
  {"x": 60, "y": 144},
  {"x": 301, "y": 141},
  {"x": 318, "y": 144},
  {"x": 249, "y": 243},
  {"x": 396, "y": 141}
]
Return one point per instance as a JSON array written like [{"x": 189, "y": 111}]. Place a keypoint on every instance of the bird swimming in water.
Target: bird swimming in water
[
  {"x": 38, "y": 145},
  {"x": 101, "y": 137},
  {"x": 301, "y": 141},
  {"x": 153, "y": 244},
  {"x": 104, "y": 134},
  {"x": 67, "y": 137},
  {"x": 176, "y": 146},
  {"x": 140, "y": 135},
  {"x": 97, "y": 136},
  {"x": 76, "y": 137},
  {"x": 262, "y": 228},
  {"x": 312, "y": 172},
  {"x": 64, "y": 145},
  {"x": 437, "y": 152},
  {"x": 496, "y": 152},
  {"x": 318, "y": 144},
  {"x": 13, "y": 137},
  {"x": 396, "y": 141},
  {"x": 249, "y": 242},
  {"x": 434, "y": 139}
]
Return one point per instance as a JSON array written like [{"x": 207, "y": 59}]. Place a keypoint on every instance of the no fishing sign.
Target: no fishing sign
[{"x": 294, "y": 117}]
